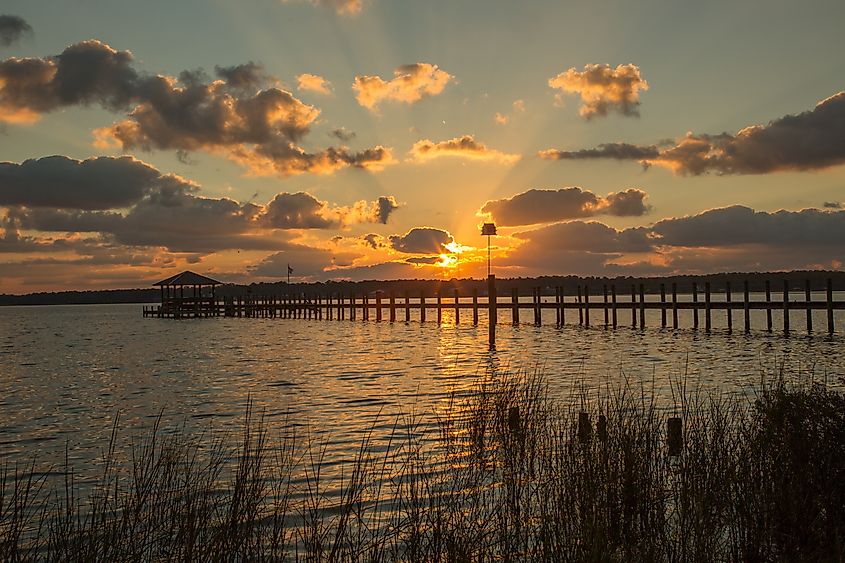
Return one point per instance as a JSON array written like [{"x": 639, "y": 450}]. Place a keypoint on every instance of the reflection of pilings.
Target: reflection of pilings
[{"x": 491, "y": 310}]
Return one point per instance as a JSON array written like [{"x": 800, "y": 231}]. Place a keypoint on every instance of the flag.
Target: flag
[{"x": 290, "y": 270}]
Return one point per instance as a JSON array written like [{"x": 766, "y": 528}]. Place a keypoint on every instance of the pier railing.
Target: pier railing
[{"x": 607, "y": 305}]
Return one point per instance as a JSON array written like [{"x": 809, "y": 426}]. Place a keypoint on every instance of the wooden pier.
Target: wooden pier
[{"x": 582, "y": 304}]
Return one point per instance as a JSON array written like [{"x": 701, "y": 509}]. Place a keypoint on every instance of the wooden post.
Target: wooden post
[
  {"x": 809, "y": 310},
  {"x": 675, "y": 305},
  {"x": 728, "y": 306},
  {"x": 491, "y": 306},
  {"x": 562, "y": 306},
  {"x": 586, "y": 305},
  {"x": 663, "y": 305},
  {"x": 475, "y": 306},
  {"x": 746, "y": 308},
  {"x": 422, "y": 305},
  {"x": 768, "y": 306},
  {"x": 785, "y": 306},
  {"x": 707, "y": 324},
  {"x": 439, "y": 307},
  {"x": 604, "y": 296},
  {"x": 537, "y": 319},
  {"x": 352, "y": 306},
  {"x": 392, "y": 306},
  {"x": 633, "y": 306},
  {"x": 580, "y": 308},
  {"x": 675, "y": 433},
  {"x": 557, "y": 305},
  {"x": 613, "y": 303},
  {"x": 642, "y": 306},
  {"x": 829, "y": 306},
  {"x": 407, "y": 306},
  {"x": 457, "y": 308},
  {"x": 378, "y": 306},
  {"x": 694, "y": 305},
  {"x": 515, "y": 305},
  {"x": 366, "y": 311}
]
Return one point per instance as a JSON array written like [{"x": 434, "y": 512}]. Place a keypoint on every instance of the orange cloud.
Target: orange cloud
[
  {"x": 410, "y": 84},
  {"x": 463, "y": 147},
  {"x": 314, "y": 83},
  {"x": 603, "y": 89}
]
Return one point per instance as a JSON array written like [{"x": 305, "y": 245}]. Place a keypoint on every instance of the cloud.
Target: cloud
[
  {"x": 247, "y": 76},
  {"x": 12, "y": 29},
  {"x": 304, "y": 211},
  {"x": 547, "y": 206},
  {"x": 464, "y": 147},
  {"x": 343, "y": 134},
  {"x": 341, "y": 7},
  {"x": 733, "y": 238},
  {"x": 832, "y": 205},
  {"x": 313, "y": 83},
  {"x": 308, "y": 262},
  {"x": 83, "y": 74},
  {"x": 423, "y": 260},
  {"x": 230, "y": 116},
  {"x": 737, "y": 225},
  {"x": 410, "y": 84},
  {"x": 135, "y": 205},
  {"x": 374, "y": 241},
  {"x": 618, "y": 151},
  {"x": 286, "y": 159},
  {"x": 502, "y": 119},
  {"x": 58, "y": 181},
  {"x": 811, "y": 140},
  {"x": 422, "y": 240},
  {"x": 603, "y": 89}
]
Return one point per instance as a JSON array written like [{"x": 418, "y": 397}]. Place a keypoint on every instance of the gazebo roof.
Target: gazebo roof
[{"x": 188, "y": 278}]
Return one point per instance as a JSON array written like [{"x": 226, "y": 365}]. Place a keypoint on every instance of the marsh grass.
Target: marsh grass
[{"x": 509, "y": 475}]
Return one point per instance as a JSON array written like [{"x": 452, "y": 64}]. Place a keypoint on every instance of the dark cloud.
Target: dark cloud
[
  {"x": 374, "y": 241},
  {"x": 304, "y": 211},
  {"x": 299, "y": 211},
  {"x": 422, "y": 240},
  {"x": 547, "y": 206},
  {"x": 58, "y": 181},
  {"x": 832, "y": 205},
  {"x": 307, "y": 262},
  {"x": 423, "y": 260},
  {"x": 385, "y": 205},
  {"x": 246, "y": 76},
  {"x": 618, "y": 151},
  {"x": 342, "y": 134},
  {"x": 232, "y": 116},
  {"x": 12, "y": 29},
  {"x": 811, "y": 140},
  {"x": 589, "y": 236},
  {"x": 737, "y": 225},
  {"x": 86, "y": 73},
  {"x": 603, "y": 89}
]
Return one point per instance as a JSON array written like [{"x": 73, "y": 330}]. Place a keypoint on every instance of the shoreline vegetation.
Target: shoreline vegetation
[
  {"x": 507, "y": 472},
  {"x": 756, "y": 280}
]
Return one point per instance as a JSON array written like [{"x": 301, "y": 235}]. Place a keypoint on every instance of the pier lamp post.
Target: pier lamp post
[{"x": 488, "y": 230}]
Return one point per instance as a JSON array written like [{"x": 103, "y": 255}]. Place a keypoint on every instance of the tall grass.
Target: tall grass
[{"x": 509, "y": 475}]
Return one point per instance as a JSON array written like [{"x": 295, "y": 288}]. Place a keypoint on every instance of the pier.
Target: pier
[{"x": 608, "y": 306}]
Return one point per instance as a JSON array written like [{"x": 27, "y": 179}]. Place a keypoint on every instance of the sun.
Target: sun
[{"x": 447, "y": 261}]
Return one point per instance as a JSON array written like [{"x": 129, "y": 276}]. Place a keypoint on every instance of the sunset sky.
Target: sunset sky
[{"x": 369, "y": 139}]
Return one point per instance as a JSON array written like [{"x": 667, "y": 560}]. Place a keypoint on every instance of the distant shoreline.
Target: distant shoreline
[{"x": 796, "y": 279}]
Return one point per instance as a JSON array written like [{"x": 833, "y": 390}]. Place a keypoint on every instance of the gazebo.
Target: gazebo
[{"x": 177, "y": 303}]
